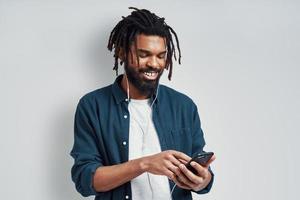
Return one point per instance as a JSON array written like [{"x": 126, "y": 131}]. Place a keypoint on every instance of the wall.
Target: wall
[{"x": 240, "y": 64}]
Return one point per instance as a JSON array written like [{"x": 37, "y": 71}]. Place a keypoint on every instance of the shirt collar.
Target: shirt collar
[{"x": 120, "y": 95}]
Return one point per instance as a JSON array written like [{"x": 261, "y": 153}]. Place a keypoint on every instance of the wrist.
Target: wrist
[
  {"x": 144, "y": 164},
  {"x": 207, "y": 180}
]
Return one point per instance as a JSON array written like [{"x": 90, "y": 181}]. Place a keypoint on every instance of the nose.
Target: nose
[{"x": 153, "y": 62}]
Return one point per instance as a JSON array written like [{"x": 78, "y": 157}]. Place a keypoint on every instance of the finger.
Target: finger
[
  {"x": 173, "y": 165},
  {"x": 190, "y": 175},
  {"x": 174, "y": 160},
  {"x": 210, "y": 161},
  {"x": 183, "y": 179},
  {"x": 173, "y": 168},
  {"x": 179, "y": 174},
  {"x": 201, "y": 171},
  {"x": 170, "y": 174},
  {"x": 183, "y": 161},
  {"x": 181, "y": 185},
  {"x": 180, "y": 155}
]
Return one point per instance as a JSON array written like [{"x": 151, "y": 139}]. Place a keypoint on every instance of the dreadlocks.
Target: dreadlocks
[{"x": 142, "y": 21}]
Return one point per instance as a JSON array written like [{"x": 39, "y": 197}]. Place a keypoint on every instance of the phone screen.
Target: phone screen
[{"x": 201, "y": 158}]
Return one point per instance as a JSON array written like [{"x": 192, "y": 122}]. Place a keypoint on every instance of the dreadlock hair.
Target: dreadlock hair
[{"x": 142, "y": 21}]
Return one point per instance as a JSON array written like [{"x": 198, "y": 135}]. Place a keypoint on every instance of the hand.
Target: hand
[
  {"x": 190, "y": 181},
  {"x": 165, "y": 163}
]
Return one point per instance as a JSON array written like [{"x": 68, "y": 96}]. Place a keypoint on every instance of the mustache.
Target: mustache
[{"x": 150, "y": 69}]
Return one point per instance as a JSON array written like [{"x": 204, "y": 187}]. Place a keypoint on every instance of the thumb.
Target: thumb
[{"x": 210, "y": 161}]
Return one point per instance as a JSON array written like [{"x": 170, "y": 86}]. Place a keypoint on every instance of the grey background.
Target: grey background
[{"x": 240, "y": 66}]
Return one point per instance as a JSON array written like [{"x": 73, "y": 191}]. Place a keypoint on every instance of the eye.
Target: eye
[
  {"x": 162, "y": 56},
  {"x": 142, "y": 55}
]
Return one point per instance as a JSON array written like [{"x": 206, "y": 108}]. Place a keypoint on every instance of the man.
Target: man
[{"x": 134, "y": 137}]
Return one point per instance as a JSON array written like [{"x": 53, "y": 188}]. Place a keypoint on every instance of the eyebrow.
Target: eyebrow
[{"x": 149, "y": 52}]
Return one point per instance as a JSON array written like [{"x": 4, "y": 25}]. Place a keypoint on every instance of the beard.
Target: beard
[{"x": 136, "y": 78}]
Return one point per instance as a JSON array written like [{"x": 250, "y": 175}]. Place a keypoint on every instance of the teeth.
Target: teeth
[{"x": 150, "y": 73}]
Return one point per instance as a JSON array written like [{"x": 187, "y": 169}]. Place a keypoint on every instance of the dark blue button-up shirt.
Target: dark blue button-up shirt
[{"x": 101, "y": 132}]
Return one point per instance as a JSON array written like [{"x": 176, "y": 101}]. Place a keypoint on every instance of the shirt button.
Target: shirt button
[
  {"x": 125, "y": 116},
  {"x": 124, "y": 143},
  {"x": 126, "y": 197},
  {"x": 126, "y": 99}
]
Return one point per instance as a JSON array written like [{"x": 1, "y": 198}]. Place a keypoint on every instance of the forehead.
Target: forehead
[{"x": 151, "y": 43}]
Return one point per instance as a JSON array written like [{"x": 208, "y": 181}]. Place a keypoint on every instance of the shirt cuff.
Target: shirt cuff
[{"x": 87, "y": 188}]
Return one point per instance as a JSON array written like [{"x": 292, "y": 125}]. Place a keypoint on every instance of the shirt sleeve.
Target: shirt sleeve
[
  {"x": 85, "y": 152},
  {"x": 198, "y": 145}
]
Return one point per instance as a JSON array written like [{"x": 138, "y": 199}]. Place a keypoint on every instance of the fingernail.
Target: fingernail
[{"x": 193, "y": 163}]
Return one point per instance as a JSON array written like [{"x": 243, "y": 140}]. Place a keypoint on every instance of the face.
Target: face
[{"x": 145, "y": 74}]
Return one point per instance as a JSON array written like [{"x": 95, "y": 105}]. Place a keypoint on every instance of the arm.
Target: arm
[
  {"x": 202, "y": 182},
  {"x": 110, "y": 177},
  {"x": 85, "y": 150},
  {"x": 204, "y": 171},
  {"x": 164, "y": 163}
]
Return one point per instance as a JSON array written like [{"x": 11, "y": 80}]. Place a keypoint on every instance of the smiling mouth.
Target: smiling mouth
[{"x": 151, "y": 75}]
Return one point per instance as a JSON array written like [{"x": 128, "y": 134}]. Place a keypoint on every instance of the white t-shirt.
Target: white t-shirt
[{"x": 143, "y": 141}]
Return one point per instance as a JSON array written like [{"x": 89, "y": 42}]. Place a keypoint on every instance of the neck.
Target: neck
[{"x": 134, "y": 93}]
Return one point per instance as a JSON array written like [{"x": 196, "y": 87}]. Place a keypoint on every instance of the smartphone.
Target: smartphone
[{"x": 201, "y": 158}]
